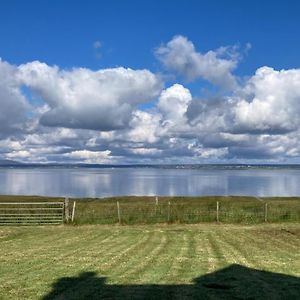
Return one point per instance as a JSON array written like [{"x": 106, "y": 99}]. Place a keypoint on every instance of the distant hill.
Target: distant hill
[{"x": 7, "y": 162}]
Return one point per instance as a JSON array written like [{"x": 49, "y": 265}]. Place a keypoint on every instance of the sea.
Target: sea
[{"x": 99, "y": 181}]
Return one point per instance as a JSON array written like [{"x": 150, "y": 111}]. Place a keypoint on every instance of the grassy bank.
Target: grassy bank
[
  {"x": 187, "y": 210},
  {"x": 203, "y": 261}
]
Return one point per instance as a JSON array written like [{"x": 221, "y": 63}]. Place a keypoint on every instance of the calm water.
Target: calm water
[{"x": 82, "y": 182}]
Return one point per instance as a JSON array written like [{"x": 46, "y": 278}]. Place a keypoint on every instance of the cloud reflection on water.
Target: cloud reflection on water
[{"x": 83, "y": 182}]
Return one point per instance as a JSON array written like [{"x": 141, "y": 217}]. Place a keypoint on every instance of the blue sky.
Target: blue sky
[
  {"x": 63, "y": 32},
  {"x": 97, "y": 35}
]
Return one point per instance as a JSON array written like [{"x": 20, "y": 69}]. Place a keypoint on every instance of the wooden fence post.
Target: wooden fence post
[
  {"x": 218, "y": 211},
  {"x": 169, "y": 211},
  {"x": 156, "y": 204},
  {"x": 67, "y": 212},
  {"x": 266, "y": 212},
  {"x": 73, "y": 211},
  {"x": 119, "y": 212}
]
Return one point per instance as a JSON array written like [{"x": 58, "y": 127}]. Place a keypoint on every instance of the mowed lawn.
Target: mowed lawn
[{"x": 204, "y": 261}]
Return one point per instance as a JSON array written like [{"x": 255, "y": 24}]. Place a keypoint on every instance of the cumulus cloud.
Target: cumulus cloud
[
  {"x": 13, "y": 105},
  {"x": 180, "y": 55},
  {"x": 48, "y": 114},
  {"x": 173, "y": 103},
  {"x": 270, "y": 102},
  {"x": 144, "y": 128},
  {"x": 213, "y": 114},
  {"x": 80, "y": 98}
]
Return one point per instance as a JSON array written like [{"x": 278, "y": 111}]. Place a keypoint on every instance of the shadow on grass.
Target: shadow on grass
[{"x": 233, "y": 282}]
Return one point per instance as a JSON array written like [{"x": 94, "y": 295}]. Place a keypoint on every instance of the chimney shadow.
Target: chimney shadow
[{"x": 232, "y": 282}]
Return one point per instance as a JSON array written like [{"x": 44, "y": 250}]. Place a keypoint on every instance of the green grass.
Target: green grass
[
  {"x": 203, "y": 261},
  {"x": 186, "y": 210}
]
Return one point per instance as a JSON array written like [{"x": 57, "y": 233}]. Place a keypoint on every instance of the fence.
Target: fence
[
  {"x": 148, "y": 212},
  {"x": 31, "y": 213},
  {"x": 95, "y": 212},
  {"x": 184, "y": 213}
]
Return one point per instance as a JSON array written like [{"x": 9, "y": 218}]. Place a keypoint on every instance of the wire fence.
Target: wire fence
[
  {"x": 127, "y": 213},
  {"x": 147, "y": 212}
]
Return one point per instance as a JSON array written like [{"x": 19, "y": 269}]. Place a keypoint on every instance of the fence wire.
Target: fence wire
[{"x": 137, "y": 213}]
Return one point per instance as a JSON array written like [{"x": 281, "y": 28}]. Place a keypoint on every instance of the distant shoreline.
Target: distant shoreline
[{"x": 155, "y": 166}]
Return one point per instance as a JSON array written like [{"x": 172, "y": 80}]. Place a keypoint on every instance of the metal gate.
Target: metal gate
[{"x": 31, "y": 213}]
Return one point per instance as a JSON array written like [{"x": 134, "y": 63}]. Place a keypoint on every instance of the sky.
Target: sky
[{"x": 125, "y": 82}]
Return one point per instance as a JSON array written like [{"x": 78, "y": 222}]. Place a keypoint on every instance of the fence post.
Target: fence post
[
  {"x": 67, "y": 212},
  {"x": 218, "y": 211},
  {"x": 156, "y": 205},
  {"x": 119, "y": 212},
  {"x": 169, "y": 211},
  {"x": 266, "y": 212},
  {"x": 73, "y": 211}
]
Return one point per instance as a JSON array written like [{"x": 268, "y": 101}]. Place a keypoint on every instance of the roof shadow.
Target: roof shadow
[{"x": 232, "y": 282}]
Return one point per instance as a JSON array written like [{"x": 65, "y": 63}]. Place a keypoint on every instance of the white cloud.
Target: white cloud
[
  {"x": 270, "y": 102},
  {"x": 211, "y": 153},
  {"x": 144, "y": 127},
  {"x": 180, "y": 55},
  {"x": 90, "y": 156},
  {"x": 22, "y": 154},
  {"x": 80, "y": 98},
  {"x": 13, "y": 105},
  {"x": 81, "y": 112},
  {"x": 173, "y": 103},
  {"x": 146, "y": 151}
]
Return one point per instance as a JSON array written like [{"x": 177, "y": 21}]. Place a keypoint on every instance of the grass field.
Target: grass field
[
  {"x": 203, "y": 261},
  {"x": 186, "y": 210}
]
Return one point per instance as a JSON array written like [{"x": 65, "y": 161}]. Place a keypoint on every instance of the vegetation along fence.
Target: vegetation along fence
[{"x": 226, "y": 210}]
